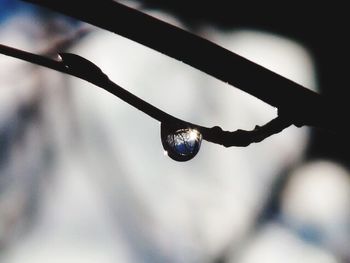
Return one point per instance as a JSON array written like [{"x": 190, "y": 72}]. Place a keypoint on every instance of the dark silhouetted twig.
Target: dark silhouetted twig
[
  {"x": 296, "y": 104},
  {"x": 302, "y": 106},
  {"x": 82, "y": 68}
]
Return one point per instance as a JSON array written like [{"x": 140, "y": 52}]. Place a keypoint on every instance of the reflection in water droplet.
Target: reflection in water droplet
[{"x": 180, "y": 144}]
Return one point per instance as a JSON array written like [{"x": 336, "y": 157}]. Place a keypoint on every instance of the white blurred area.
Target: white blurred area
[{"x": 91, "y": 172}]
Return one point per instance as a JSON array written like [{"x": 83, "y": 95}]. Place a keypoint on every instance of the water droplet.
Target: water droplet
[{"x": 180, "y": 144}]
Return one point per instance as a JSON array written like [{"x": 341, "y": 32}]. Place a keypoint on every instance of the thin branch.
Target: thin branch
[
  {"x": 84, "y": 69},
  {"x": 312, "y": 109}
]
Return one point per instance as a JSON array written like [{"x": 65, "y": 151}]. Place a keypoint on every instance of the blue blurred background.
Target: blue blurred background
[{"x": 83, "y": 177}]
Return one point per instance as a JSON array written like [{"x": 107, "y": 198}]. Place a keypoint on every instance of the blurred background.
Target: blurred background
[{"x": 83, "y": 177}]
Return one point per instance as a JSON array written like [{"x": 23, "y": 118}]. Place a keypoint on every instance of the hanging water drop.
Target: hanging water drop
[{"x": 180, "y": 144}]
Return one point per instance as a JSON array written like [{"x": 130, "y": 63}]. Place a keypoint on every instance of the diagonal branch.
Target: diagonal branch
[
  {"x": 312, "y": 109},
  {"x": 82, "y": 68}
]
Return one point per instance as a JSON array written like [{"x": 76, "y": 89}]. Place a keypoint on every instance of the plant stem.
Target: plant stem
[
  {"x": 82, "y": 68},
  {"x": 201, "y": 54}
]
